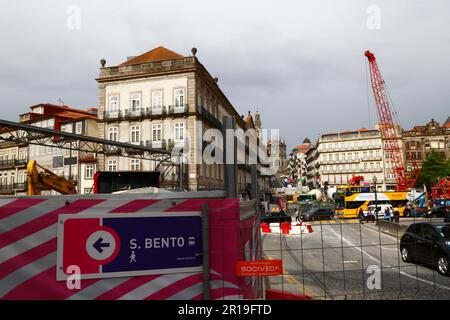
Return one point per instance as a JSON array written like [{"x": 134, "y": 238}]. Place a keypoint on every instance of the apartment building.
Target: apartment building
[
  {"x": 339, "y": 156},
  {"x": 68, "y": 162},
  {"x": 313, "y": 177},
  {"x": 163, "y": 100},
  {"x": 297, "y": 162},
  {"x": 13, "y": 164},
  {"x": 421, "y": 140}
]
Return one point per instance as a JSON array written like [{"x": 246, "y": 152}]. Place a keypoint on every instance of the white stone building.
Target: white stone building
[
  {"x": 339, "y": 156},
  {"x": 161, "y": 99}
]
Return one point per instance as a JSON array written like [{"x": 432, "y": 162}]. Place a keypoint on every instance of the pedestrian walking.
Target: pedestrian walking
[
  {"x": 361, "y": 216},
  {"x": 387, "y": 214}
]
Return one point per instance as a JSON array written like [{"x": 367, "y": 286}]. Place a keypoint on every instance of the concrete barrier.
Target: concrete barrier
[{"x": 392, "y": 228}]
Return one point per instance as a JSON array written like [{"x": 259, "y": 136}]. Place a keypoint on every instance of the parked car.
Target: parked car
[
  {"x": 436, "y": 212},
  {"x": 316, "y": 214},
  {"x": 274, "y": 217},
  {"x": 427, "y": 244}
]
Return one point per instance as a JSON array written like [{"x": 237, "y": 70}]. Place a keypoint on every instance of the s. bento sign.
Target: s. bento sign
[{"x": 120, "y": 245}]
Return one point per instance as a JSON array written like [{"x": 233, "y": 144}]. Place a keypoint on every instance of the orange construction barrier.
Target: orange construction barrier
[
  {"x": 265, "y": 227},
  {"x": 285, "y": 227}
]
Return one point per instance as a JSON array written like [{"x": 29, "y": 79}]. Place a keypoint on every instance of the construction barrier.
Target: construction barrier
[
  {"x": 287, "y": 228},
  {"x": 29, "y": 245}
]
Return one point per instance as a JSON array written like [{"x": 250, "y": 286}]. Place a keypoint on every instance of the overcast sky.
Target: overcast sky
[{"x": 300, "y": 63}]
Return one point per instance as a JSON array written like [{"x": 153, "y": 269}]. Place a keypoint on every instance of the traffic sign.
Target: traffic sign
[{"x": 119, "y": 245}]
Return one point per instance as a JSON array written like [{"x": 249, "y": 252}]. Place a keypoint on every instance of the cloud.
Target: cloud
[{"x": 300, "y": 63}]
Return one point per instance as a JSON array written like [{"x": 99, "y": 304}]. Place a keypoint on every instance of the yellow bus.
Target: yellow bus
[{"x": 350, "y": 199}]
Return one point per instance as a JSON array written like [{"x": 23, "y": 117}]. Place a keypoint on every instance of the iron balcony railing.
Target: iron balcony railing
[
  {"x": 145, "y": 112},
  {"x": 165, "y": 144},
  {"x": 20, "y": 186},
  {"x": 4, "y": 164},
  {"x": 11, "y": 163}
]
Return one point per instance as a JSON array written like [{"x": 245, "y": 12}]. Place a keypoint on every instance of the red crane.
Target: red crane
[{"x": 388, "y": 133}]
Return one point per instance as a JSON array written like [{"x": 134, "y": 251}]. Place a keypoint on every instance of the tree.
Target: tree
[{"x": 433, "y": 167}]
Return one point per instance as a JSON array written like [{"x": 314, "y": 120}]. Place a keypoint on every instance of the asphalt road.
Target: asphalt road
[{"x": 337, "y": 261}]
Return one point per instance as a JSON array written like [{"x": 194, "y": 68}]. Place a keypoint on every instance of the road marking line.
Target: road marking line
[
  {"x": 291, "y": 280},
  {"x": 379, "y": 262}
]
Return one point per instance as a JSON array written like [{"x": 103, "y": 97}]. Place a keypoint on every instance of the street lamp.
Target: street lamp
[{"x": 376, "y": 199}]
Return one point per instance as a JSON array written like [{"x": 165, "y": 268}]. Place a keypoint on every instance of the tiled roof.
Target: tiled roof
[
  {"x": 157, "y": 54},
  {"x": 75, "y": 115},
  {"x": 447, "y": 123}
]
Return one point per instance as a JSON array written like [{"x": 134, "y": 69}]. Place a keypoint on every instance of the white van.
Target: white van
[{"x": 370, "y": 211}]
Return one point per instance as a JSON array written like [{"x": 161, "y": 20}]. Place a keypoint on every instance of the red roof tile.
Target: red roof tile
[{"x": 157, "y": 54}]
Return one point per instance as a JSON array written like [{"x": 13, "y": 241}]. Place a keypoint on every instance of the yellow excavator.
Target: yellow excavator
[{"x": 46, "y": 180}]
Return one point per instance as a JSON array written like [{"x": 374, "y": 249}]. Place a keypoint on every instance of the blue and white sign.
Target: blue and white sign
[{"x": 116, "y": 245}]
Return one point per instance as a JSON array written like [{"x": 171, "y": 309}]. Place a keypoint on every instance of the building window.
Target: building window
[
  {"x": 157, "y": 99},
  {"x": 79, "y": 128},
  {"x": 179, "y": 97},
  {"x": 364, "y": 155},
  {"x": 135, "y": 102},
  {"x": 112, "y": 165},
  {"x": 135, "y": 164},
  {"x": 89, "y": 174},
  {"x": 113, "y": 103},
  {"x": 156, "y": 132},
  {"x": 66, "y": 128},
  {"x": 135, "y": 134},
  {"x": 179, "y": 131},
  {"x": 114, "y": 134}
]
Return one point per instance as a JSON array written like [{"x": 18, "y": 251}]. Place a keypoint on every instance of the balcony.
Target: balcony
[
  {"x": 178, "y": 109},
  {"x": 130, "y": 114},
  {"x": 134, "y": 114},
  {"x": 6, "y": 188},
  {"x": 6, "y": 164},
  {"x": 373, "y": 158},
  {"x": 167, "y": 144},
  {"x": 20, "y": 186},
  {"x": 108, "y": 115},
  {"x": 20, "y": 162},
  {"x": 11, "y": 163}
]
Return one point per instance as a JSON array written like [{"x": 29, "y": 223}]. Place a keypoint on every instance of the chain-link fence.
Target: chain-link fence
[{"x": 344, "y": 259}]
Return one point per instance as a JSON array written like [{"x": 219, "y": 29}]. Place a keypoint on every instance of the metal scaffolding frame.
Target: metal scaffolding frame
[{"x": 20, "y": 133}]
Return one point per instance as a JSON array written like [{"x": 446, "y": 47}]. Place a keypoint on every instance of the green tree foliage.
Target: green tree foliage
[{"x": 433, "y": 168}]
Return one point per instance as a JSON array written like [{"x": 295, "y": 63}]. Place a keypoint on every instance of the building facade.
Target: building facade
[
  {"x": 277, "y": 156},
  {"x": 339, "y": 156},
  {"x": 297, "y": 166},
  {"x": 164, "y": 100},
  {"x": 69, "y": 163},
  {"x": 421, "y": 140},
  {"x": 13, "y": 167}
]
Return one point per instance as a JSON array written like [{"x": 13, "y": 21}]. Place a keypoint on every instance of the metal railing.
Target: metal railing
[{"x": 129, "y": 114}]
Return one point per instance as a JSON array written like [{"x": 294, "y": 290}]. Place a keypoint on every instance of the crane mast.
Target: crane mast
[{"x": 388, "y": 133}]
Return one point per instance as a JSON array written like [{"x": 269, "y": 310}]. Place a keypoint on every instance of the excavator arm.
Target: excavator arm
[{"x": 37, "y": 181}]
